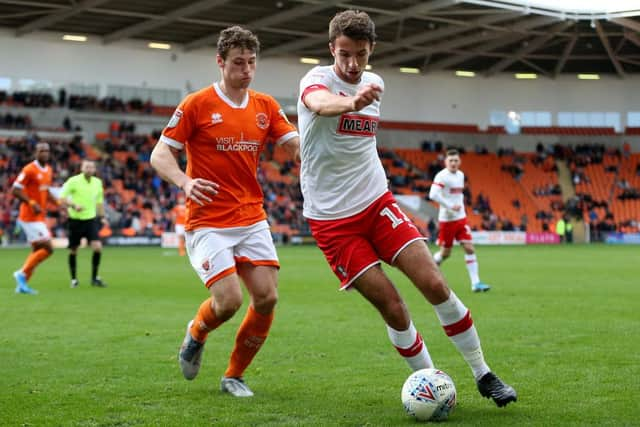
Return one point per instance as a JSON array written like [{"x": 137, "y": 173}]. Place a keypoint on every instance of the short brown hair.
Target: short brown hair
[
  {"x": 236, "y": 36},
  {"x": 354, "y": 24},
  {"x": 452, "y": 152}
]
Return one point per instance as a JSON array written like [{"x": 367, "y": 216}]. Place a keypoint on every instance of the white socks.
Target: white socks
[
  {"x": 458, "y": 325},
  {"x": 410, "y": 345},
  {"x": 472, "y": 268}
]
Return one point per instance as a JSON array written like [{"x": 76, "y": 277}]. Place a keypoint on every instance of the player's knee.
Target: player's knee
[
  {"x": 265, "y": 302},
  {"x": 396, "y": 315},
  {"x": 225, "y": 307}
]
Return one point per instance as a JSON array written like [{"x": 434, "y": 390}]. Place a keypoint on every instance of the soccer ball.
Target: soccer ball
[{"x": 429, "y": 395}]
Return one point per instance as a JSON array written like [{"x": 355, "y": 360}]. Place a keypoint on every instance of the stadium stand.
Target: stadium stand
[{"x": 506, "y": 190}]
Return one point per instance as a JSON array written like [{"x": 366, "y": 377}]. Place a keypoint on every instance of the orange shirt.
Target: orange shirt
[
  {"x": 223, "y": 142},
  {"x": 179, "y": 213},
  {"x": 35, "y": 181}
]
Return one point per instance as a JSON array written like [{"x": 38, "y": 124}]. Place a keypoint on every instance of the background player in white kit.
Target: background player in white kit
[
  {"x": 353, "y": 216},
  {"x": 447, "y": 189}
]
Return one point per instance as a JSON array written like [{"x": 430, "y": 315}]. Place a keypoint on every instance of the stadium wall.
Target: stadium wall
[
  {"x": 395, "y": 138},
  {"x": 409, "y": 98}
]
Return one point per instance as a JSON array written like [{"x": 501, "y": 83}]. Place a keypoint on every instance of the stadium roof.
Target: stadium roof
[{"x": 488, "y": 37}]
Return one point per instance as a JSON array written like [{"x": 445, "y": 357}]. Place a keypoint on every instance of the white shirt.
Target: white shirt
[
  {"x": 341, "y": 173},
  {"x": 447, "y": 190}
]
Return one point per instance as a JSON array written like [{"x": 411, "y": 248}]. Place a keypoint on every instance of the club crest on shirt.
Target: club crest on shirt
[
  {"x": 216, "y": 118},
  {"x": 175, "y": 119},
  {"x": 262, "y": 120}
]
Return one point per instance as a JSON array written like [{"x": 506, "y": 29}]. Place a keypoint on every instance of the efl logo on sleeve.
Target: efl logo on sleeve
[{"x": 175, "y": 119}]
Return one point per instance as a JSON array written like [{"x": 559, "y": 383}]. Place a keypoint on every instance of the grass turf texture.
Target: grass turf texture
[{"x": 561, "y": 325}]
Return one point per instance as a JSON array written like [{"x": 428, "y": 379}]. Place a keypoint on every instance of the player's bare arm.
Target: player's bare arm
[
  {"x": 163, "y": 160},
  {"x": 325, "y": 103},
  {"x": 20, "y": 195},
  {"x": 292, "y": 147}
]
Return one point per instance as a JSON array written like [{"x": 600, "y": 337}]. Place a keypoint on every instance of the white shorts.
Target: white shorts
[
  {"x": 36, "y": 231},
  {"x": 215, "y": 252},
  {"x": 179, "y": 229}
]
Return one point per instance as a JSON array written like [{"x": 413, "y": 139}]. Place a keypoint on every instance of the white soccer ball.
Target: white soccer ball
[{"x": 429, "y": 395}]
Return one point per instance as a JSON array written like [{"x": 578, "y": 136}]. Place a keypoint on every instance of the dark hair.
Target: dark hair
[
  {"x": 236, "y": 36},
  {"x": 452, "y": 152},
  {"x": 354, "y": 24}
]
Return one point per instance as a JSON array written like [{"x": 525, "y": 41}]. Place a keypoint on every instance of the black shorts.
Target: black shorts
[{"x": 79, "y": 228}]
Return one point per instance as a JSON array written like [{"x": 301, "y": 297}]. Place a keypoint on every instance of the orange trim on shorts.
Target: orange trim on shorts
[
  {"x": 224, "y": 273},
  {"x": 267, "y": 262}
]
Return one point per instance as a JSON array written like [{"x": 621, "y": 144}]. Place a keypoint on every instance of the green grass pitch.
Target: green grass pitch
[{"x": 561, "y": 324}]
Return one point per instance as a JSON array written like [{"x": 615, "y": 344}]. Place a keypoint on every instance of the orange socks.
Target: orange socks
[
  {"x": 204, "y": 322},
  {"x": 252, "y": 333},
  {"x": 33, "y": 260},
  {"x": 181, "y": 247}
]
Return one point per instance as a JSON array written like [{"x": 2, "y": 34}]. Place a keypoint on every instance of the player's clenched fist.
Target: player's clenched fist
[{"x": 366, "y": 95}]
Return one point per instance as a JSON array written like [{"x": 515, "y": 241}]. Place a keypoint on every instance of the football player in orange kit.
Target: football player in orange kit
[
  {"x": 224, "y": 128},
  {"x": 32, "y": 189},
  {"x": 179, "y": 216}
]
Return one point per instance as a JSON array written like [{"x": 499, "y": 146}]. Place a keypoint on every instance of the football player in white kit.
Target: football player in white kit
[
  {"x": 355, "y": 218},
  {"x": 447, "y": 190}
]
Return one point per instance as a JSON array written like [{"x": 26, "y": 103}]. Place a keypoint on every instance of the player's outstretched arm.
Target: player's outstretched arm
[
  {"x": 163, "y": 160},
  {"x": 325, "y": 103}
]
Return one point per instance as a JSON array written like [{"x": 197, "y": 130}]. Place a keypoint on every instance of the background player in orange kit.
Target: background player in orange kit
[
  {"x": 32, "y": 189},
  {"x": 179, "y": 216},
  {"x": 224, "y": 128}
]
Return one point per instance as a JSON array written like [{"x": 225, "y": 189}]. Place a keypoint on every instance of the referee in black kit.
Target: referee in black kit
[{"x": 83, "y": 195}]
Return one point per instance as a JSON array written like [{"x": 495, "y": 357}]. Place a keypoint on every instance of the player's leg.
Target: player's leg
[
  {"x": 376, "y": 288},
  {"x": 96, "y": 245},
  {"x": 355, "y": 261},
  {"x": 73, "y": 265},
  {"x": 75, "y": 235},
  {"x": 440, "y": 256},
  {"x": 455, "y": 318},
  {"x": 445, "y": 242},
  {"x": 40, "y": 238},
  {"x": 179, "y": 230},
  {"x": 463, "y": 235},
  {"x": 473, "y": 269},
  {"x": 224, "y": 302},
  {"x": 261, "y": 282},
  {"x": 257, "y": 264},
  {"x": 211, "y": 256}
]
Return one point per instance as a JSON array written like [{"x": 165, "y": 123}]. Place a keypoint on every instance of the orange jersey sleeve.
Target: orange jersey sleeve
[
  {"x": 223, "y": 142},
  {"x": 35, "y": 181}
]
